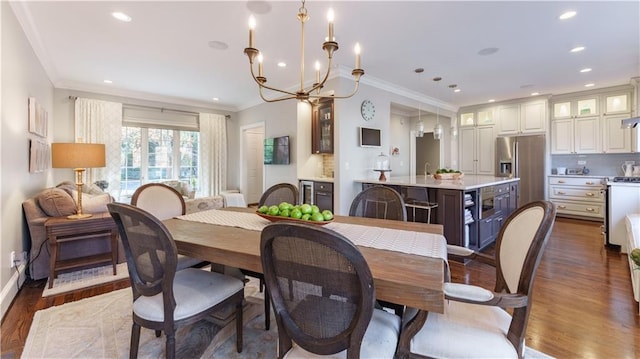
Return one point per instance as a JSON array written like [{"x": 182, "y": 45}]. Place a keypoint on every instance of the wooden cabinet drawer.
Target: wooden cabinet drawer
[
  {"x": 323, "y": 186},
  {"x": 576, "y": 193},
  {"x": 580, "y": 209},
  {"x": 577, "y": 181}
]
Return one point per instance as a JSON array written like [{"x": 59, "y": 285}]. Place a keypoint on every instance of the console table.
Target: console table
[{"x": 61, "y": 230}]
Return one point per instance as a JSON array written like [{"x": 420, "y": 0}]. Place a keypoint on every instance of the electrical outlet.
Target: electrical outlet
[{"x": 13, "y": 259}]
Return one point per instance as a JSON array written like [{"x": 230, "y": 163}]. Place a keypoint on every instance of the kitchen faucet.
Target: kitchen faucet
[{"x": 427, "y": 168}]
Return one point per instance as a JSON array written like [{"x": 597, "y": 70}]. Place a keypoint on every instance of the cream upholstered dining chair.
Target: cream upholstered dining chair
[
  {"x": 323, "y": 295},
  {"x": 379, "y": 202},
  {"x": 164, "y": 202},
  {"x": 475, "y": 323},
  {"x": 163, "y": 298}
]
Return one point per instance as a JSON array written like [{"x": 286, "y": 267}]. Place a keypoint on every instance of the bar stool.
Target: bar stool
[{"x": 418, "y": 197}]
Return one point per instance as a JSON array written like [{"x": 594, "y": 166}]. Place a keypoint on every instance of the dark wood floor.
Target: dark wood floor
[{"x": 583, "y": 304}]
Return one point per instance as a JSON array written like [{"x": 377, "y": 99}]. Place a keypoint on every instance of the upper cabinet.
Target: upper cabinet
[
  {"x": 322, "y": 127},
  {"x": 522, "y": 118},
  {"x": 590, "y": 122},
  {"x": 478, "y": 117}
]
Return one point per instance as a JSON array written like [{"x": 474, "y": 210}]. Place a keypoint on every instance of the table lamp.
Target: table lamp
[{"x": 78, "y": 156}]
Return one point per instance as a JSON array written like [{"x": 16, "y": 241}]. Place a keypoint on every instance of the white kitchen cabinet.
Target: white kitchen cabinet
[
  {"x": 579, "y": 196},
  {"x": 575, "y": 135},
  {"x": 477, "y": 150},
  {"x": 478, "y": 117},
  {"x": 615, "y": 138},
  {"x": 520, "y": 118}
]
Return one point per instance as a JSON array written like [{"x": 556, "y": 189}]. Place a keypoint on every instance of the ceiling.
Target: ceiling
[{"x": 164, "y": 53}]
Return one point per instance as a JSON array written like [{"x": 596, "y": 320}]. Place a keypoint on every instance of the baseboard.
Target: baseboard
[{"x": 10, "y": 291}]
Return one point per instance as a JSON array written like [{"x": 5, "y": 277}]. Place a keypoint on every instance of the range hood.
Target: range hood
[{"x": 631, "y": 122}]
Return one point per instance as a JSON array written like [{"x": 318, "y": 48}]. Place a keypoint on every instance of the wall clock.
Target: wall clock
[{"x": 367, "y": 110}]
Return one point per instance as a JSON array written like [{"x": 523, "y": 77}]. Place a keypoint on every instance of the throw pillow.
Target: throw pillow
[
  {"x": 94, "y": 204},
  {"x": 55, "y": 202}
]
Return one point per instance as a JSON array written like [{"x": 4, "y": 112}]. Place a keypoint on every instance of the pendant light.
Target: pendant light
[
  {"x": 454, "y": 128},
  {"x": 419, "y": 125},
  {"x": 437, "y": 131}
]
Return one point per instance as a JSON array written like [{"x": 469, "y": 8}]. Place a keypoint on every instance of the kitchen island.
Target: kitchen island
[{"x": 471, "y": 209}]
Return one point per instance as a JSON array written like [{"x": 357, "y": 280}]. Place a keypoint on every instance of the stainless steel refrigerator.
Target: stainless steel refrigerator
[{"x": 523, "y": 157}]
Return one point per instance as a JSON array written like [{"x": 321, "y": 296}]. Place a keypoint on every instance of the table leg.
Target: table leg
[{"x": 114, "y": 250}]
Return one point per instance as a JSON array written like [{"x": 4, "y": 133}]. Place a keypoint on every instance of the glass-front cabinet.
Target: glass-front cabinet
[{"x": 322, "y": 128}]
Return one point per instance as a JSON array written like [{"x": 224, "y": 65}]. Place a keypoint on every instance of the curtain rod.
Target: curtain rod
[{"x": 162, "y": 109}]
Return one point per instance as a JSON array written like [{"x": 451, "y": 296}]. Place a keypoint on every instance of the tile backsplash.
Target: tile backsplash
[
  {"x": 598, "y": 164},
  {"x": 327, "y": 165}
]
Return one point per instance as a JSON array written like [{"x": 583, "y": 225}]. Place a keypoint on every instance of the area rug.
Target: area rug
[
  {"x": 85, "y": 278},
  {"x": 100, "y": 327}
]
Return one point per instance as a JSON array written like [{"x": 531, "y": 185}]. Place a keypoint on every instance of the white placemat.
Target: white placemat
[{"x": 419, "y": 243}]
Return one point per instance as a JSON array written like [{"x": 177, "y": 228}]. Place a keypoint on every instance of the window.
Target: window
[{"x": 156, "y": 155}]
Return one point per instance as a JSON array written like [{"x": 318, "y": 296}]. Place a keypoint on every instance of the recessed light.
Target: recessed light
[
  {"x": 488, "y": 51},
  {"x": 282, "y": 64},
  {"x": 567, "y": 15},
  {"x": 121, "y": 16},
  {"x": 457, "y": 90},
  {"x": 218, "y": 45},
  {"x": 585, "y": 70},
  {"x": 216, "y": 99},
  {"x": 535, "y": 93},
  {"x": 577, "y": 49},
  {"x": 492, "y": 100},
  {"x": 589, "y": 85},
  {"x": 108, "y": 81}
]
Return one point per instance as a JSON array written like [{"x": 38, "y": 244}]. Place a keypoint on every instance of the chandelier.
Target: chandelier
[{"x": 313, "y": 92}]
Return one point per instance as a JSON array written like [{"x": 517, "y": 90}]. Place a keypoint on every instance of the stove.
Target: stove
[{"x": 627, "y": 179}]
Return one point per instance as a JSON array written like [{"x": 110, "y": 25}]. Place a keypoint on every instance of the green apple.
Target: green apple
[
  {"x": 305, "y": 208},
  {"x": 295, "y": 213},
  {"x": 274, "y": 210},
  {"x": 317, "y": 217},
  {"x": 263, "y": 209},
  {"x": 327, "y": 215},
  {"x": 315, "y": 209},
  {"x": 284, "y": 205},
  {"x": 306, "y": 217},
  {"x": 284, "y": 213}
]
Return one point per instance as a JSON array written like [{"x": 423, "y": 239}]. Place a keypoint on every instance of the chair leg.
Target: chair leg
[
  {"x": 267, "y": 310},
  {"x": 239, "y": 327},
  {"x": 170, "y": 351},
  {"x": 135, "y": 341}
]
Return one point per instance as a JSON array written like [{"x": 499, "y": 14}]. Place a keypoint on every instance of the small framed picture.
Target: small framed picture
[
  {"x": 38, "y": 118},
  {"x": 38, "y": 156}
]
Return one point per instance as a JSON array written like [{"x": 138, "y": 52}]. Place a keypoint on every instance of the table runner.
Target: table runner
[{"x": 411, "y": 242}]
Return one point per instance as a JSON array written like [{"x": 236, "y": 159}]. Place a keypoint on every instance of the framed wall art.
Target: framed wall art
[
  {"x": 38, "y": 118},
  {"x": 38, "y": 156}
]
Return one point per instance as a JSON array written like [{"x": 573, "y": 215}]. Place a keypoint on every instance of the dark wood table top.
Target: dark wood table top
[{"x": 413, "y": 280}]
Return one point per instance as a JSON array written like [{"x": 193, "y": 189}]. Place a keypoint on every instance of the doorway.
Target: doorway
[
  {"x": 427, "y": 154},
  {"x": 252, "y": 167}
]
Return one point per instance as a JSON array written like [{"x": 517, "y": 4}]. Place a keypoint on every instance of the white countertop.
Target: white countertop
[
  {"x": 466, "y": 183},
  {"x": 581, "y": 176},
  {"x": 316, "y": 179}
]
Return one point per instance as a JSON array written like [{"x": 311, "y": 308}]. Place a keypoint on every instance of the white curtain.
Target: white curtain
[
  {"x": 101, "y": 122},
  {"x": 213, "y": 154}
]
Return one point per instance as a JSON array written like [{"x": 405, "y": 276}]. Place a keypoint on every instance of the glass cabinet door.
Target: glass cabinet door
[
  {"x": 322, "y": 129},
  {"x": 562, "y": 110},
  {"x": 467, "y": 119},
  {"x": 485, "y": 117},
  {"x": 616, "y": 104},
  {"x": 587, "y": 107}
]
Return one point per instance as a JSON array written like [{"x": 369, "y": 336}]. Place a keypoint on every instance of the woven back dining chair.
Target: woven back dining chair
[
  {"x": 163, "y": 298},
  {"x": 323, "y": 295},
  {"x": 475, "y": 323},
  {"x": 379, "y": 202}
]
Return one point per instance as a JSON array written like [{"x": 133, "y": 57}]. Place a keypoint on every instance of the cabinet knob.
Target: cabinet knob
[
  {"x": 589, "y": 194},
  {"x": 589, "y": 209},
  {"x": 561, "y": 181},
  {"x": 561, "y": 192},
  {"x": 562, "y": 206},
  {"x": 589, "y": 182}
]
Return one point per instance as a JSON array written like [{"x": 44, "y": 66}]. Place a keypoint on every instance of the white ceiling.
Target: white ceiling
[{"x": 164, "y": 54}]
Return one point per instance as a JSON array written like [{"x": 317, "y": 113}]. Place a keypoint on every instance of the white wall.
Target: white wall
[{"x": 22, "y": 77}]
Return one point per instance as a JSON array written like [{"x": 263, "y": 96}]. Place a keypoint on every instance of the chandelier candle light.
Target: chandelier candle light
[{"x": 330, "y": 46}]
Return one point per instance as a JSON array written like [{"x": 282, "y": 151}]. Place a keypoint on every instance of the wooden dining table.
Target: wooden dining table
[{"x": 409, "y": 279}]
